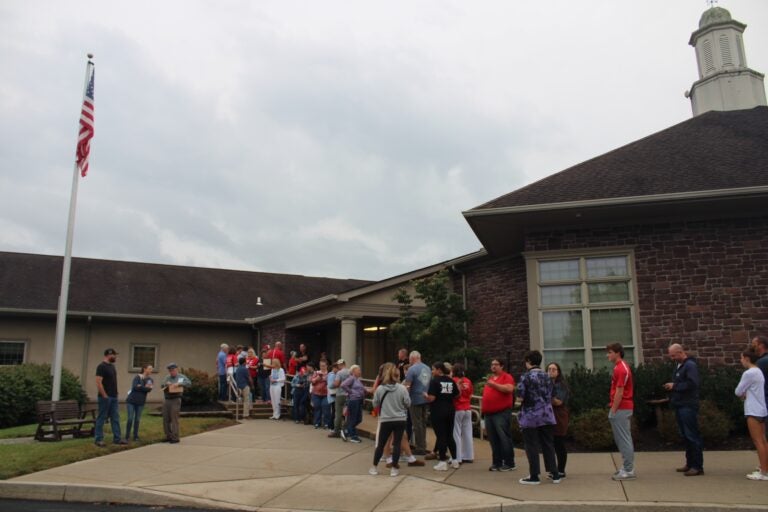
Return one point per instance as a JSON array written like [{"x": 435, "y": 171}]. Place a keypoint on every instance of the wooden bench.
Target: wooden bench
[{"x": 65, "y": 417}]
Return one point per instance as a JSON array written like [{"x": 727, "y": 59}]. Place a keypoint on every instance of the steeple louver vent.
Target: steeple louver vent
[{"x": 725, "y": 51}]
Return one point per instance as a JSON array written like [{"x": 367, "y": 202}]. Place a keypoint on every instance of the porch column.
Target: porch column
[{"x": 349, "y": 340}]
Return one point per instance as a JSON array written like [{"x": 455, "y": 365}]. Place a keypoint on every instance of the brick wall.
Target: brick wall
[
  {"x": 703, "y": 284},
  {"x": 497, "y": 296}
]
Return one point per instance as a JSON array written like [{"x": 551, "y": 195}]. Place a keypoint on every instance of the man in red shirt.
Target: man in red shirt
[
  {"x": 277, "y": 353},
  {"x": 498, "y": 396},
  {"x": 622, "y": 405}
]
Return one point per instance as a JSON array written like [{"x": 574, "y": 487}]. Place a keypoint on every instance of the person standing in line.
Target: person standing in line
[
  {"x": 137, "y": 397},
  {"x": 355, "y": 391},
  {"x": 320, "y": 407},
  {"x": 498, "y": 397},
  {"x": 277, "y": 353},
  {"x": 417, "y": 380},
  {"x": 263, "y": 372},
  {"x": 760, "y": 347},
  {"x": 403, "y": 363},
  {"x": 252, "y": 363},
  {"x": 392, "y": 400},
  {"x": 300, "y": 389},
  {"x": 440, "y": 395},
  {"x": 173, "y": 388},
  {"x": 276, "y": 382},
  {"x": 330, "y": 381},
  {"x": 221, "y": 370},
  {"x": 684, "y": 400},
  {"x": 231, "y": 365},
  {"x": 560, "y": 395},
  {"x": 244, "y": 383},
  {"x": 462, "y": 429},
  {"x": 621, "y": 408},
  {"x": 751, "y": 389},
  {"x": 537, "y": 419},
  {"x": 106, "y": 384},
  {"x": 303, "y": 358},
  {"x": 341, "y": 398}
]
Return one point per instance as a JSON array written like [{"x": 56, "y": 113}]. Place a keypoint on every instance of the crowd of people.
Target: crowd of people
[{"x": 407, "y": 394}]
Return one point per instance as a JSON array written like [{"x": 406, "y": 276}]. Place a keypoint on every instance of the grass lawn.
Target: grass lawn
[{"x": 20, "y": 459}]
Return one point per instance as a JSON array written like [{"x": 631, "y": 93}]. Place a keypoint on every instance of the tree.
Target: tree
[{"x": 440, "y": 332}]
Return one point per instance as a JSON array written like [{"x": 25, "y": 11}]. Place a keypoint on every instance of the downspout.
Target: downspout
[
  {"x": 86, "y": 350},
  {"x": 454, "y": 268},
  {"x": 257, "y": 344}
]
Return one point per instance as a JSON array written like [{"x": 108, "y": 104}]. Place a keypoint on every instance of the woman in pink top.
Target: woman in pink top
[{"x": 462, "y": 427}]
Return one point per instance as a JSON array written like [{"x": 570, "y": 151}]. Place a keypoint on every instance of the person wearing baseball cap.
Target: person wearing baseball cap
[
  {"x": 173, "y": 387},
  {"x": 106, "y": 384}
]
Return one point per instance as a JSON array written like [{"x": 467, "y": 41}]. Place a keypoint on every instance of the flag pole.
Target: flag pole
[{"x": 61, "y": 316}]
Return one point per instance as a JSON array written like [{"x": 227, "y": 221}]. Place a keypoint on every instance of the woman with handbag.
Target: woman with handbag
[{"x": 392, "y": 401}]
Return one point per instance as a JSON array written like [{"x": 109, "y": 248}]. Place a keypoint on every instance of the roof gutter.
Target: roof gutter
[
  {"x": 297, "y": 307},
  {"x": 617, "y": 201},
  {"x": 123, "y": 316}
]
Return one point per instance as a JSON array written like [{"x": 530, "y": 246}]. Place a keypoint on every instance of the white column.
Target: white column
[{"x": 349, "y": 340}]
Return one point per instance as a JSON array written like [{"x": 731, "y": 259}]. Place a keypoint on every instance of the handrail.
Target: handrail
[{"x": 233, "y": 389}]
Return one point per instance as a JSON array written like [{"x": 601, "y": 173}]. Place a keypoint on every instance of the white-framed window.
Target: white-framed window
[
  {"x": 12, "y": 352},
  {"x": 579, "y": 302},
  {"x": 142, "y": 354}
]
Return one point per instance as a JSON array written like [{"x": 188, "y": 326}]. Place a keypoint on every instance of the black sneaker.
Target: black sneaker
[
  {"x": 507, "y": 467},
  {"x": 529, "y": 481}
]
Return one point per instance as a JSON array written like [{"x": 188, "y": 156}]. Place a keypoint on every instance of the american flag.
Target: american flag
[{"x": 86, "y": 128}]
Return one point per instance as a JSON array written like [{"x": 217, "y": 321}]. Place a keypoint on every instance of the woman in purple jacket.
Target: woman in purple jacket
[{"x": 355, "y": 395}]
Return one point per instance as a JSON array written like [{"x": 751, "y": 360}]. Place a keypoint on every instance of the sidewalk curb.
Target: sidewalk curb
[
  {"x": 107, "y": 494},
  {"x": 147, "y": 497}
]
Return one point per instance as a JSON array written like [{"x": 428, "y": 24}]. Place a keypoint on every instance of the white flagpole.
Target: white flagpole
[{"x": 61, "y": 316}]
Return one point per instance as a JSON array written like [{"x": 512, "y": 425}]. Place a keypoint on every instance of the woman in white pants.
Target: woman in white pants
[
  {"x": 462, "y": 426},
  {"x": 276, "y": 382}
]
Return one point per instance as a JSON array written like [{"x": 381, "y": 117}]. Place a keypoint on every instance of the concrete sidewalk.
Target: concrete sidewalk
[{"x": 278, "y": 465}]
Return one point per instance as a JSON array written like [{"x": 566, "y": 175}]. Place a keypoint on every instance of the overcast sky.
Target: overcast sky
[{"x": 339, "y": 139}]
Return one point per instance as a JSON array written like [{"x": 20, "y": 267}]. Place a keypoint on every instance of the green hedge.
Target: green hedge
[
  {"x": 21, "y": 386},
  {"x": 589, "y": 390}
]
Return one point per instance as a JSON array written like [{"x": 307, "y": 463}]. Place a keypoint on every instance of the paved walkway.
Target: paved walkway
[{"x": 269, "y": 465}]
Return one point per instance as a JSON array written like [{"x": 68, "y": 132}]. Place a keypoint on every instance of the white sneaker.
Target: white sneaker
[
  {"x": 389, "y": 460},
  {"x": 441, "y": 466},
  {"x": 411, "y": 459},
  {"x": 624, "y": 475},
  {"x": 394, "y": 472},
  {"x": 455, "y": 464},
  {"x": 373, "y": 471},
  {"x": 758, "y": 475}
]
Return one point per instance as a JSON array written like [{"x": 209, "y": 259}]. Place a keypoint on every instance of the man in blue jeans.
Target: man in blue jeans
[
  {"x": 498, "y": 397},
  {"x": 684, "y": 399},
  {"x": 106, "y": 382},
  {"x": 221, "y": 371}
]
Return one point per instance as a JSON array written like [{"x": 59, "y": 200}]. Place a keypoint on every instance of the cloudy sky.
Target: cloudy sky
[{"x": 340, "y": 139}]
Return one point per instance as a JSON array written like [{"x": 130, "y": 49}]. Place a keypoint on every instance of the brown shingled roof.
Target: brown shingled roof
[
  {"x": 716, "y": 150},
  {"x": 32, "y": 282}
]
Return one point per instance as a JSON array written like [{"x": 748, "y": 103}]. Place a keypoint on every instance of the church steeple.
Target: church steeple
[{"x": 725, "y": 82}]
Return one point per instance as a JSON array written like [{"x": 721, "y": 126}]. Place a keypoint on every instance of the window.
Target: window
[
  {"x": 143, "y": 354},
  {"x": 12, "y": 352},
  {"x": 580, "y": 303}
]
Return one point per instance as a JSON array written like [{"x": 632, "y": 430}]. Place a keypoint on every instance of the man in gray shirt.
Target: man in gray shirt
[
  {"x": 417, "y": 381},
  {"x": 341, "y": 398}
]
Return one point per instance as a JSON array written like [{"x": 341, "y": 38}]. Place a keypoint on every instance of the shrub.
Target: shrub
[
  {"x": 204, "y": 388},
  {"x": 717, "y": 386},
  {"x": 589, "y": 389},
  {"x": 592, "y": 430},
  {"x": 649, "y": 385},
  {"x": 714, "y": 425},
  {"x": 21, "y": 386}
]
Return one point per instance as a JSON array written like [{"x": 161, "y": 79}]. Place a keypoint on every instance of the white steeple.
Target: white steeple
[{"x": 725, "y": 82}]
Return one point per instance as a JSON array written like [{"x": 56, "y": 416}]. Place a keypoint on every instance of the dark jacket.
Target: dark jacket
[
  {"x": 139, "y": 389},
  {"x": 685, "y": 385}
]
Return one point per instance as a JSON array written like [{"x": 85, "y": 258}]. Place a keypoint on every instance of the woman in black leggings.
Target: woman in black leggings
[
  {"x": 560, "y": 394},
  {"x": 442, "y": 391},
  {"x": 391, "y": 399}
]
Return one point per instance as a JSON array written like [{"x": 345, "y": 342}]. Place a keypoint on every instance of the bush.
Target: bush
[
  {"x": 589, "y": 389},
  {"x": 204, "y": 388},
  {"x": 649, "y": 385},
  {"x": 714, "y": 425},
  {"x": 717, "y": 386},
  {"x": 592, "y": 430},
  {"x": 21, "y": 386}
]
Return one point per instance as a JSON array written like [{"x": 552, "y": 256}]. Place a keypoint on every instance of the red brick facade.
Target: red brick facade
[{"x": 703, "y": 284}]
